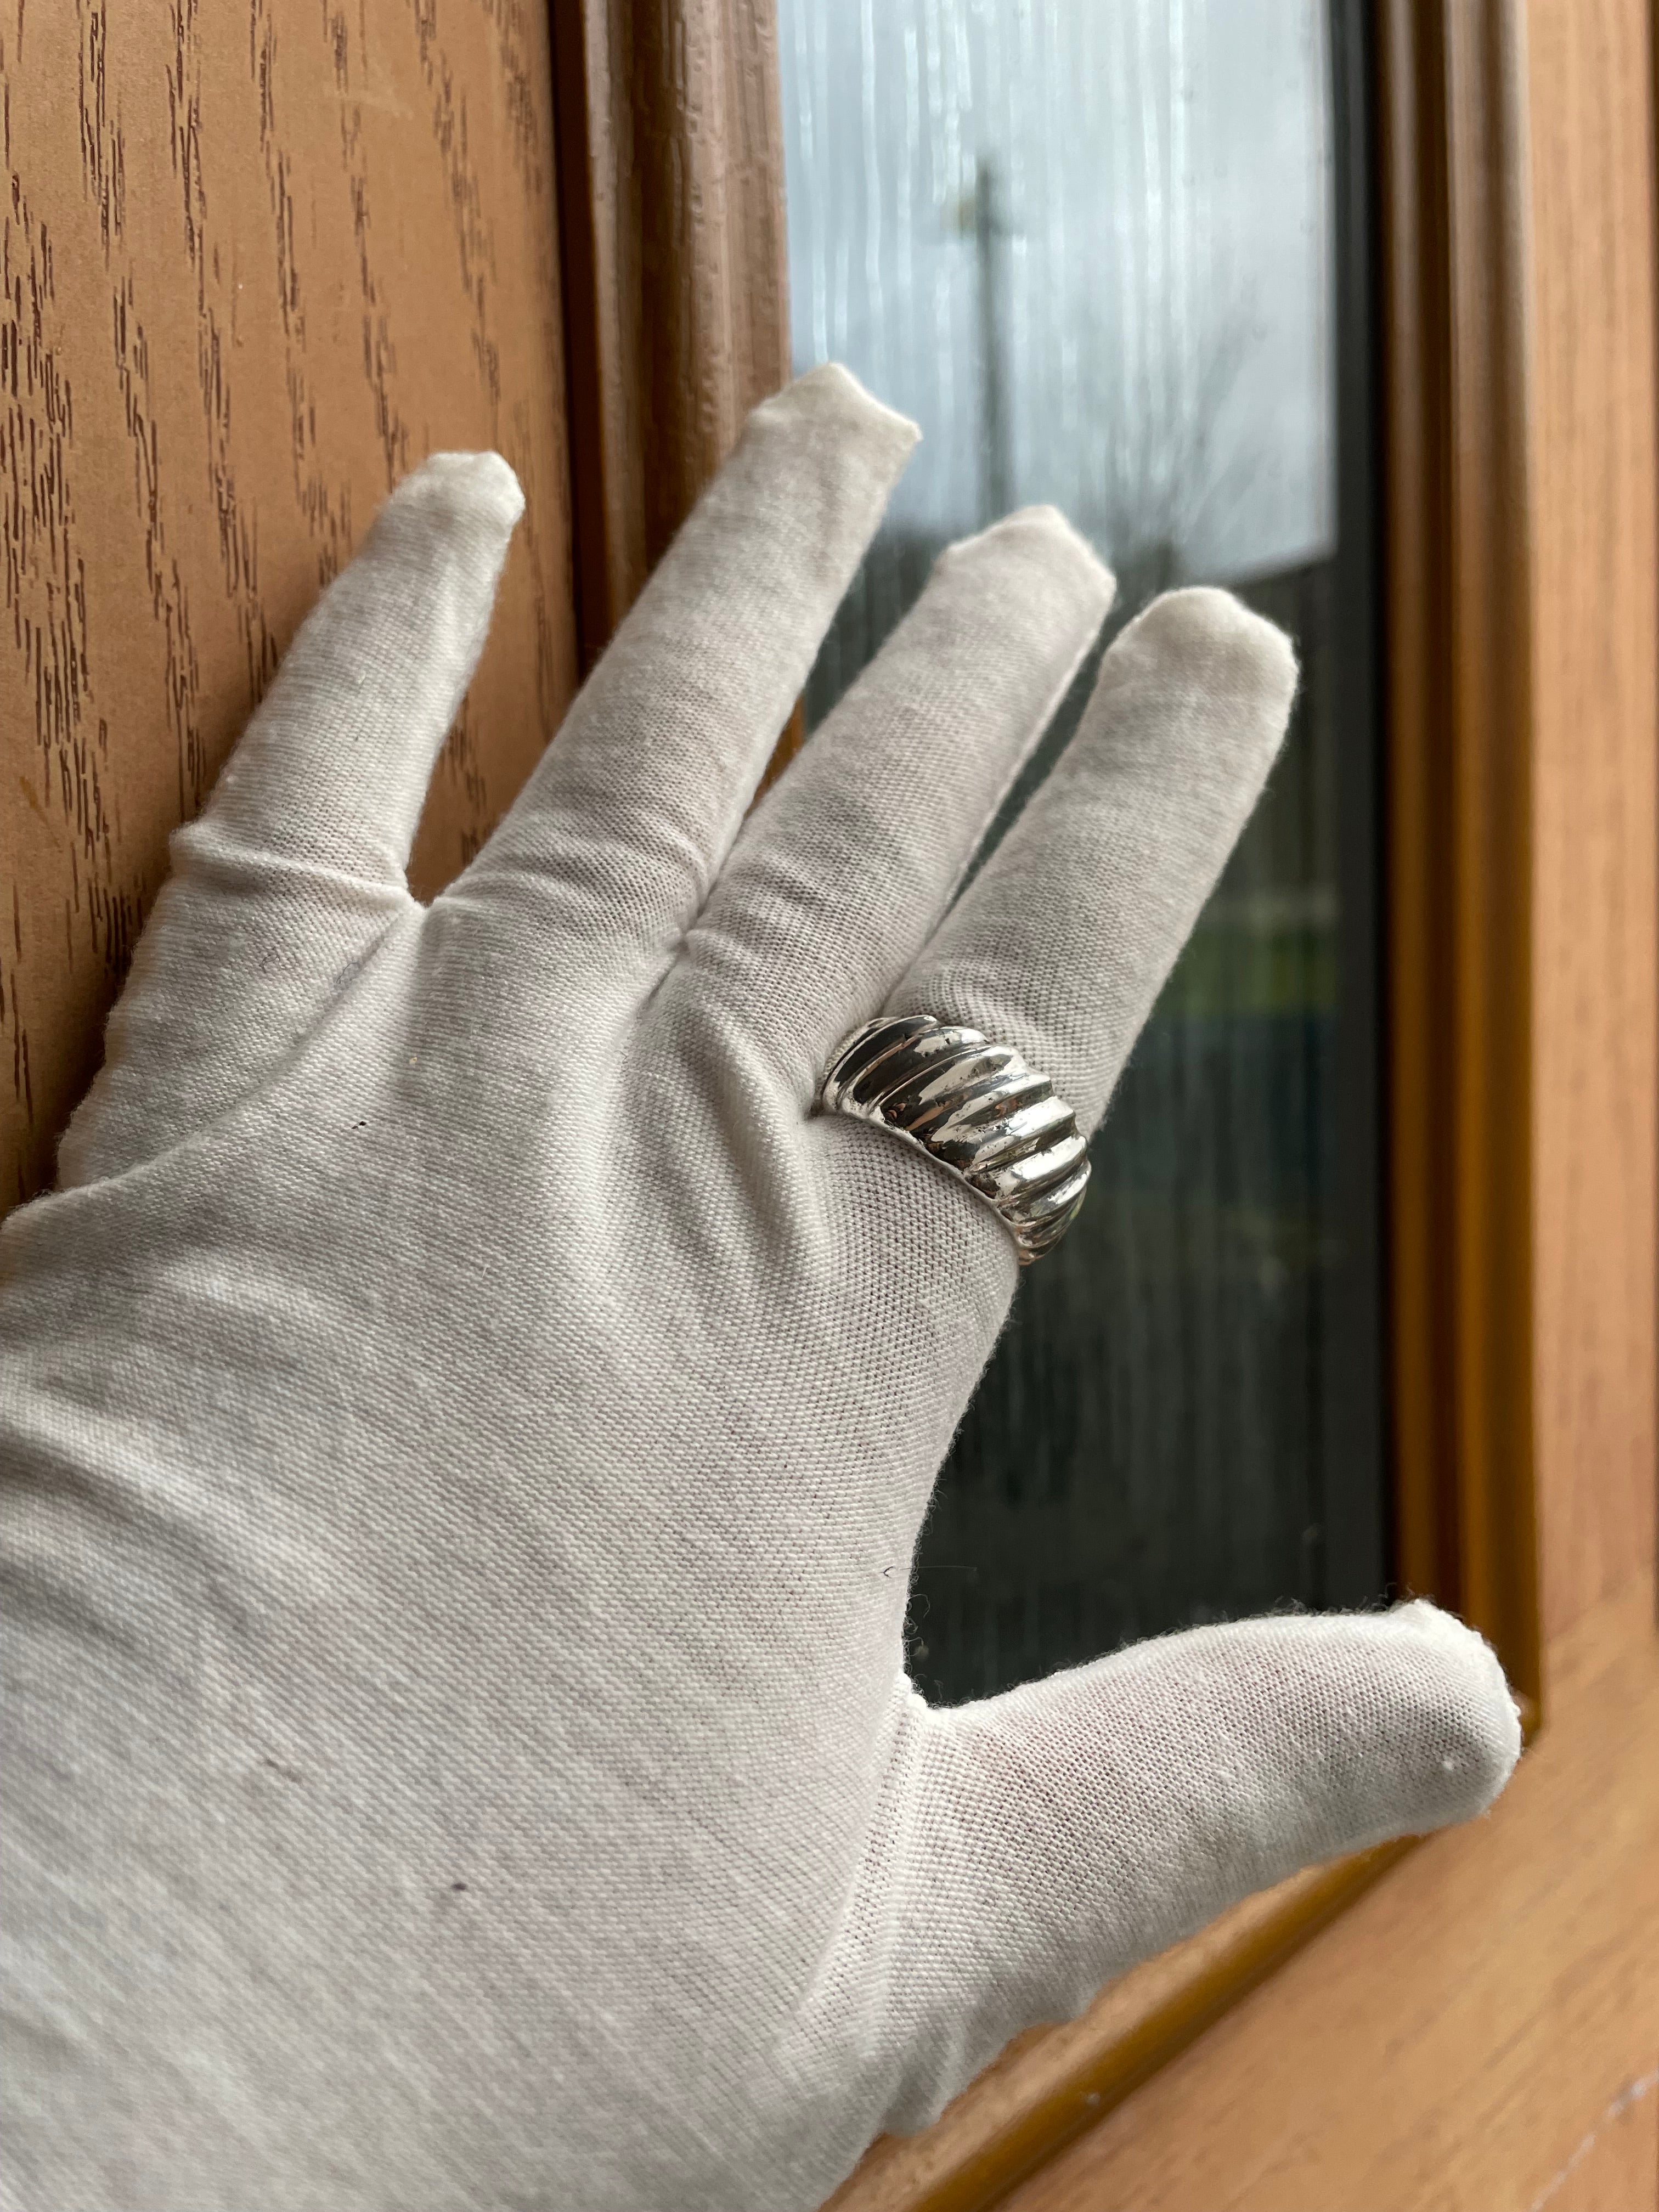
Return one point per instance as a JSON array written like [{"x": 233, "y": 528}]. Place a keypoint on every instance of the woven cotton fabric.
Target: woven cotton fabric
[{"x": 465, "y": 1421}]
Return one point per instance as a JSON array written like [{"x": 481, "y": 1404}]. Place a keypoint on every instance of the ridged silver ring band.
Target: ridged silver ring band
[{"x": 976, "y": 1109}]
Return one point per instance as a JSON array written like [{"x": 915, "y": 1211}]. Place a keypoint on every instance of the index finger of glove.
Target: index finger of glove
[
  {"x": 1062, "y": 943},
  {"x": 332, "y": 770},
  {"x": 635, "y": 803}
]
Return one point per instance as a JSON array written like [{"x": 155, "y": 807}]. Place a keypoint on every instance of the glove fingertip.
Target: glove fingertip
[
  {"x": 1218, "y": 649},
  {"x": 461, "y": 492},
  {"x": 1473, "y": 1741},
  {"x": 830, "y": 397},
  {"x": 1040, "y": 541}
]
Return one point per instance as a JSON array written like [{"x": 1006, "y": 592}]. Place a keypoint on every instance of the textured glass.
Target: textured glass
[{"x": 1097, "y": 248}]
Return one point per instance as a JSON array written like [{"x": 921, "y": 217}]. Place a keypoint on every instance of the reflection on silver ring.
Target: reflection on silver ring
[{"x": 975, "y": 1108}]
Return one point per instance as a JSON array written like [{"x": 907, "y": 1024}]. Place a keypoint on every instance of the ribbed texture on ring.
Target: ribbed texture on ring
[{"x": 977, "y": 1108}]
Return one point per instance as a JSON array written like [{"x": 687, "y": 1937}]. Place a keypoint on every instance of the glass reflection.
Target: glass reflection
[{"x": 1098, "y": 249}]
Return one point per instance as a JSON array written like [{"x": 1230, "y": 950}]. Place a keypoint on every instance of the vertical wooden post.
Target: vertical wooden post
[
  {"x": 1459, "y": 826},
  {"x": 671, "y": 198}
]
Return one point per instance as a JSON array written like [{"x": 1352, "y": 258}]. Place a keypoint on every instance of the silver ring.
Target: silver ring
[{"x": 976, "y": 1109}]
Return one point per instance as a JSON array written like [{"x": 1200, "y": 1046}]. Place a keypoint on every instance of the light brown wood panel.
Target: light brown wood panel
[
  {"x": 1616, "y": 2163},
  {"x": 258, "y": 260},
  {"x": 1492, "y": 2007},
  {"x": 1594, "y": 802}
]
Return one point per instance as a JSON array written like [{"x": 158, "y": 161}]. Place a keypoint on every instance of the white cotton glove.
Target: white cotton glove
[{"x": 466, "y": 1420}]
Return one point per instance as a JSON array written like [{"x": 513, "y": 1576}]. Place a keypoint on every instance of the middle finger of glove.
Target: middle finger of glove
[{"x": 844, "y": 870}]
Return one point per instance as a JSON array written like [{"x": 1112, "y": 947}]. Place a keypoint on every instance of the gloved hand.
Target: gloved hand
[{"x": 466, "y": 1420}]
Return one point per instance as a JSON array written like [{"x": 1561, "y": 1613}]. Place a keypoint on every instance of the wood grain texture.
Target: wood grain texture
[
  {"x": 258, "y": 260},
  {"x": 1595, "y": 912},
  {"x": 672, "y": 204},
  {"x": 1615, "y": 2164}
]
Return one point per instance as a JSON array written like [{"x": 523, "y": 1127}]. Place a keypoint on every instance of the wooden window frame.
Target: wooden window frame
[{"x": 673, "y": 236}]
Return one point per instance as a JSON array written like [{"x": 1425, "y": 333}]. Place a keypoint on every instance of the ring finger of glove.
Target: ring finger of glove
[{"x": 1061, "y": 945}]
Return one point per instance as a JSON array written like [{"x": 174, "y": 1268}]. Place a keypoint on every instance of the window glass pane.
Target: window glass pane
[{"x": 1110, "y": 255}]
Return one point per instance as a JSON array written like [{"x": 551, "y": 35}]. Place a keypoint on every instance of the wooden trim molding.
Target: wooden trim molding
[
  {"x": 676, "y": 313},
  {"x": 1458, "y": 562},
  {"x": 1451, "y": 110}
]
